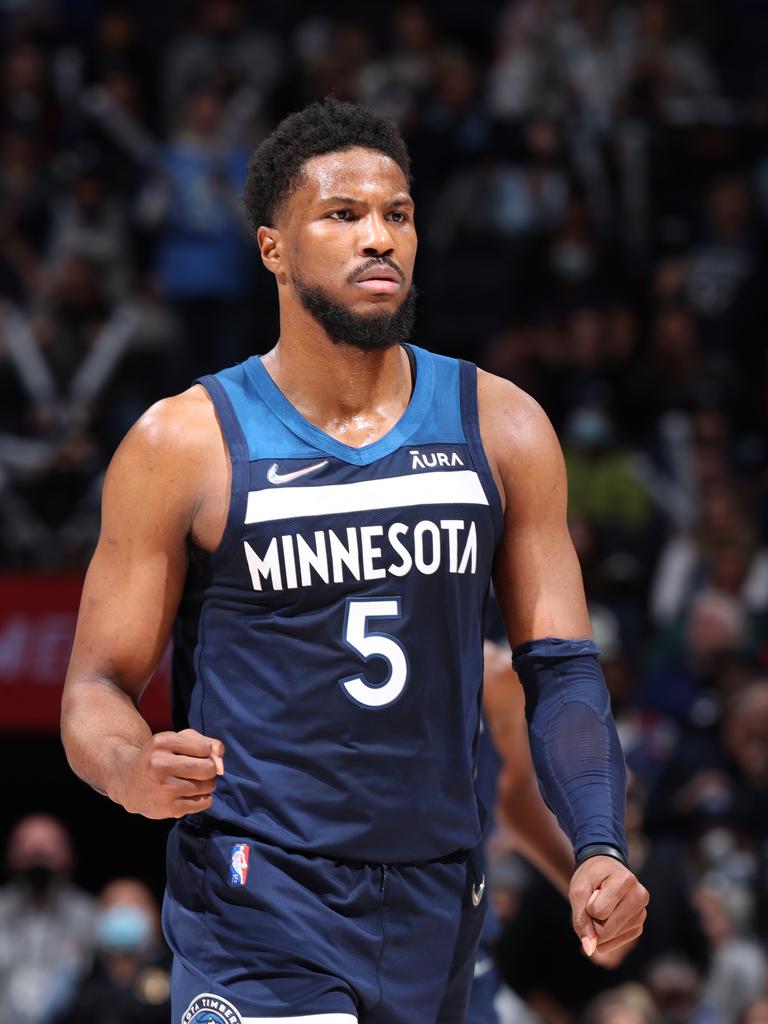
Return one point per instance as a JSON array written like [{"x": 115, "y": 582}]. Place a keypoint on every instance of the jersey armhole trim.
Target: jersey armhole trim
[
  {"x": 238, "y": 455},
  {"x": 470, "y": 419}
]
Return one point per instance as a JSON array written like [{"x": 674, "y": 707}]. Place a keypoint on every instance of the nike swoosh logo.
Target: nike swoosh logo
[{"x": 285, "y": 478}]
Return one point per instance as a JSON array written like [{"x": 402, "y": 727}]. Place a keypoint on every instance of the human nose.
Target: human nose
[{"x": 375, "y": 238}]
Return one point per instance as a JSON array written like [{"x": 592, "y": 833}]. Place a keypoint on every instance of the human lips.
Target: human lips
[{"x": 379, "y": 279}]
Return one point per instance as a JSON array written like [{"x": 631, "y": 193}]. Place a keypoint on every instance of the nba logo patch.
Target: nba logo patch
[{"x": 238, "y": 864}]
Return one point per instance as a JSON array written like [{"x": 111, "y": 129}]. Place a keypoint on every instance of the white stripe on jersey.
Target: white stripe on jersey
[{"x": 460, "y": 488}]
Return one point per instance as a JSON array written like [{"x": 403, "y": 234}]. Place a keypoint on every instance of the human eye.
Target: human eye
[
  {"x": 343, "y": 215},
  {"x": 398, "y": 216}
]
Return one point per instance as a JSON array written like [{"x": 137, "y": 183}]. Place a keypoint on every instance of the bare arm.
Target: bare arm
[
  {"x": 151, "y": 501},
  {"x": 534, "y": 827},
  {"x": 537, "y": 575},
  {"x": 539, "y": 587}
]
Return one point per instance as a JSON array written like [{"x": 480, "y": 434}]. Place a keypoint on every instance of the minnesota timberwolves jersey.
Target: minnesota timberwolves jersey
[{"x": 333, "y": 641}]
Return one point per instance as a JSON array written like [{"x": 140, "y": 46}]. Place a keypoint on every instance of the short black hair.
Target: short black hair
[{"x": 327, "y": 126}]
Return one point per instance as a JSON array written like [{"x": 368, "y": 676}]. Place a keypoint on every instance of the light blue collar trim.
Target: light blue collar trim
[{"x": 395, "y": 438}]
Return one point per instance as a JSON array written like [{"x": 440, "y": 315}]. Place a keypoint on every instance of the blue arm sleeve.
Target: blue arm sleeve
[{"x": 574, "y": 743}]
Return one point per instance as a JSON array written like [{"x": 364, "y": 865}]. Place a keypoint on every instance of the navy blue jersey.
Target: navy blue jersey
[{"x": 333, "y": 641}]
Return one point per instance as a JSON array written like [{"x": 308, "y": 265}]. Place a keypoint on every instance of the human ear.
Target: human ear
[{"x": 271, "y": 249}]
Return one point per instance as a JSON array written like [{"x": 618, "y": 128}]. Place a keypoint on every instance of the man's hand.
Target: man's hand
[
  {"x": 173, "y": 774},
  {"x": 608, "y": 905}
]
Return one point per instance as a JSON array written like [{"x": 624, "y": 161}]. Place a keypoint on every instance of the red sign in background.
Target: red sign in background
[{"x": 37, "y": 625}]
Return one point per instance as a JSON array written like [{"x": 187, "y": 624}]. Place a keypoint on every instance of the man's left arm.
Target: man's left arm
[
  {"x": 574, "y": 744},
  {"x": 531, "y": 824}
]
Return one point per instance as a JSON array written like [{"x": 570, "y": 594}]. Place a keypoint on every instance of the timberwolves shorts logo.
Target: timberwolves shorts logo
[{"x": 210, "y": 1009}]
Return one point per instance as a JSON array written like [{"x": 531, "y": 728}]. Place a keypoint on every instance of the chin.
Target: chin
[{"x": 371, "y": 324}]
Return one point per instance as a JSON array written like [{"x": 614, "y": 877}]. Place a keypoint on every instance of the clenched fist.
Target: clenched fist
[
  {"x": 608, "y": 905},
  {"x": 173, "y": 774}
]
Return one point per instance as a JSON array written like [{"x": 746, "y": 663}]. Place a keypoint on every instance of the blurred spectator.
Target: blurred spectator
[
  {"x": 676, "y": 373},
  {"x": 24, "y": 213},
  {"x": 115, "y": 49},
  {"x": 455, "y": 127},
  {"x": 74, "y": 309},
  {"x": 724, "y": 259},
  {"x": 738, "y": 968},
  {"x": 699, "y": 659},
  {"x": 118, "y": 124},
  {"x": 46, "y": 924},
  {"x": 202, "y": 255},
  {"x": 331, "y": 57},
  {"x": 659, "y": 69},
  {"x": 675, "y": 987},
  {"x": 575, "y": 268},
  {"x": 224, "y": 50},
  {"x": 521, "y": 77},
  {"x": 27, "y": 103},
  {"x": 394, "y": 83},
  {"x": 603, "y": 488},
  {"x": 723, "y": 269},
  {"x": 77, "y": 361},
  {"x": 130, "y": 981},
  {"x": 721, "y": 551},
  {"x": 500, "y": 198},
  {"x": 627, "y": 1004},
  {"x": 90, "y": 221},
  {"x": 718, "y": 778}
]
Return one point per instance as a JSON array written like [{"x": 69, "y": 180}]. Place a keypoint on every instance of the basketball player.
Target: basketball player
[{"x": 322, "y": 524}]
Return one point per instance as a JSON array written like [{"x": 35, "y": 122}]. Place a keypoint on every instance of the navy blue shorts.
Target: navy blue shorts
[
  {"x": 324, "y": 941},
  {"x": 485, "y": 989}
]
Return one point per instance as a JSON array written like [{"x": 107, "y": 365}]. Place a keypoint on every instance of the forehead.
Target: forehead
[
  {"x": 126, "y": 891},
  {"x": 366, "y": 174}
]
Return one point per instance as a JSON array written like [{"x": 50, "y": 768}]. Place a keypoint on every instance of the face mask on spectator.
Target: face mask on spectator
[
  {"x": 123, "y": 929},
  {"x": 38, "y": 876}
]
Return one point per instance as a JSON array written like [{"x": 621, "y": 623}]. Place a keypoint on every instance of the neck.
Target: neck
[{"x": 349, "y": 393}]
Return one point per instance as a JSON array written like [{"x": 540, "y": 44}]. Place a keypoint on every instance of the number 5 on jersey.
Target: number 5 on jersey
[{"x": 369, "y": 643}]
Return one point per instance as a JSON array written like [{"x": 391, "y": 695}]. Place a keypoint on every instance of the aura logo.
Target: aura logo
[
  {"x": 208, "y": 1008},
  {"x": 429, "y": 460}
]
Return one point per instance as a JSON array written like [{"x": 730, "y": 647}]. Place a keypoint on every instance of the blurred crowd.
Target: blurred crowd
[
  {"x": 67, "y": 957},
  {"x": 591, "y": 183}
]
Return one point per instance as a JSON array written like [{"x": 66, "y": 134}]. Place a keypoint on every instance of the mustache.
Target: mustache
[{"x": 377, "y": 261}]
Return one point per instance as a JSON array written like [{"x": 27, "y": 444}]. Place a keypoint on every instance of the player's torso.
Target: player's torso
[{"x": 334, "y": 639}]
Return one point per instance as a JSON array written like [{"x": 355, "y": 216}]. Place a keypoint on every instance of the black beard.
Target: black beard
[{"x": 371, "y": 332}]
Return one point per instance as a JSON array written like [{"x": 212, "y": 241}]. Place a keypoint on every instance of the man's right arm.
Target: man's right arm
[{"x": 152, "y": 494}]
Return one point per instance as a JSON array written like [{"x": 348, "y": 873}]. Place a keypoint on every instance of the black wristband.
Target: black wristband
[{"x": 599, "y": 850}]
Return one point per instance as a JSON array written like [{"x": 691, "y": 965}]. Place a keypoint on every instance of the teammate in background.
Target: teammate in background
[{"x": 324, "y": 521}]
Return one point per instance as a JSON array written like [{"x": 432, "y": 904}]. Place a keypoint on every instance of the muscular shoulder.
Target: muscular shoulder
[
  {"x": 178, "y": 431},
  {"x": 170, "y": 458},
  {"x": 175, "y": 426},
  {"x": 517, "y": 435}
]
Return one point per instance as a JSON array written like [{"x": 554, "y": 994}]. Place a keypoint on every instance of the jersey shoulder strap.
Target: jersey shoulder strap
[
  {"x": 470, "y": 418},
  {"x": 228, "y": 392}
]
